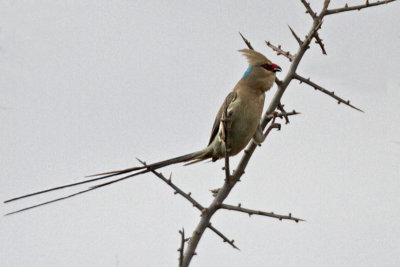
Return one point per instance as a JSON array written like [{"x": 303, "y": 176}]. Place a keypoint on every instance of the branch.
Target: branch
[
  {"x": 299, "y": 41},
  {"x": 359, "y": 7},
  {"x": 177, "y": 190},
  {"x": 313, "y": 14},
  {"x": 224, "y": 238},
  {"x": 182, "y": 247},
  {"x": 246, "y": 42},
  {"x": 279, "y": 51},
  {"x": 262, "y": 213},
  {"x": 187, "y": 196},
  {"x": 309, "y": 9},
  {"x": 318, "y": 40},
  {"x": 283, "y": 113},
  {"x": 320, "y": 88}
]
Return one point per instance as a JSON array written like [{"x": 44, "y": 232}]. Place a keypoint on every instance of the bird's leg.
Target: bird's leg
[
  {"x": 272, "y": 125},
  {"x": 259, "y": 136}
]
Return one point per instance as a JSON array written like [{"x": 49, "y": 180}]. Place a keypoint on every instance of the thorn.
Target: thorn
[
  {"x": 239, "y": 205},
  {"x": 189, "y": 194},
  {"x": 290, "y": 215},
  {"x": 346, "y": 5},
  {"x": 175, "y": 192}
]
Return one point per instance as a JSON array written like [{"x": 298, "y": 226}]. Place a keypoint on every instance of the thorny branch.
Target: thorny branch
[
  {"x": 359, "y": 7},
  {"x": 318, "y": 40},
  {"x": 224, "y": 238},
  {"x": 320, "y": 88},
  {"x": 299, "y": 41},
  {"x": 259, "y": 212},
  {"x": 187, "y": 196},
  {"x": 182, "y": 248},
  {"x": 279, "y": 51}
]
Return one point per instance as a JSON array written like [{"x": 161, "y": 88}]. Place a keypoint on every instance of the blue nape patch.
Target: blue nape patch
[{"x": 247, "y": 73}]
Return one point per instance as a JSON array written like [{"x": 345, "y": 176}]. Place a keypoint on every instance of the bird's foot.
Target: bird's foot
[{"x": 273, "y": 125}]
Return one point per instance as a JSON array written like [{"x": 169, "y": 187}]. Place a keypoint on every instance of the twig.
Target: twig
[
  {"x": 299, "y": 41},
  {"x": 283, "y": 114},
  {"x": 314, "y": 16},
  {"x": 182, "y": 247},
  {"x": 318, "y": 40},
  {"x": 261, "y": 213},
  {"x": 320, "y": 88},
  {"x": 246, "y": 42},
  {"x": 224, "y": 238},
  {"x": 359, "y": 7},
  {"x": 309, "y": 9},
  {"x": 179, "y": 191},
  {"x": 279, "y": 51}
]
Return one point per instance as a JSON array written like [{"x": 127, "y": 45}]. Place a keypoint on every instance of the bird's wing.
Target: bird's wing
[{"x": 228, "y": 100}]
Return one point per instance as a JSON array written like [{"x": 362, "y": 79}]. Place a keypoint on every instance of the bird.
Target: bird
[
  {"x": 243, "y": 108},
  {"x": 244, "y": 105}
]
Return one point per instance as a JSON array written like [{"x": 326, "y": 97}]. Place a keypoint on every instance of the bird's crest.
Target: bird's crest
[{"x": 254, "y": 58}]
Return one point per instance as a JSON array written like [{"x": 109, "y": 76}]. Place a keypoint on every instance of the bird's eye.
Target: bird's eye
[{"x": 267, "y": 66}]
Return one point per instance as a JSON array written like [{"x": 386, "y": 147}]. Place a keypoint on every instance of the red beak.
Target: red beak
[{"x": 276, "y": 68}]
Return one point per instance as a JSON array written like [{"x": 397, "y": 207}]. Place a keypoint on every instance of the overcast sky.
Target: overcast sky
[{"x": 87, "y": 86}]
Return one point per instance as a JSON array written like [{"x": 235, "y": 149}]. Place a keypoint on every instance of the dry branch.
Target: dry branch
[
  {"x": 320, "y": 88},
  {"x": 187, "y": 196},
  {"x": 279, "y": 51},
  {"x": 309, "y": 9},
  {"x": 261, "y": 213},
  {"x": 359, "y": 7},
  {"x": 246, "y": 42},
  {"x": 224, "y": 238},
  {"x": 182, "y": 247},
  {"x": 299, "y": 41}
]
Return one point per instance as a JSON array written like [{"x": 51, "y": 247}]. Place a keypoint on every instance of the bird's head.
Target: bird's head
[{"x": 261, "y": 71}]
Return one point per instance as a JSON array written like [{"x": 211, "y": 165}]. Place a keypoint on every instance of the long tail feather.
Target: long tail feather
[
  {"x": 198, "y": 155},
  {"x": 202, "y": 154}
]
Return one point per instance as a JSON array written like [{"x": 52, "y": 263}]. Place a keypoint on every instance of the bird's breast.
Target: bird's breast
[{"x": 245, "y": 113}]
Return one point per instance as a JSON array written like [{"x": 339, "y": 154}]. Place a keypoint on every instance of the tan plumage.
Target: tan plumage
[{"x": 245, "y": 106}]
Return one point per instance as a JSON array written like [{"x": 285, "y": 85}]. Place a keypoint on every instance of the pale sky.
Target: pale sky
[{"x": 87, "y": 86}]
